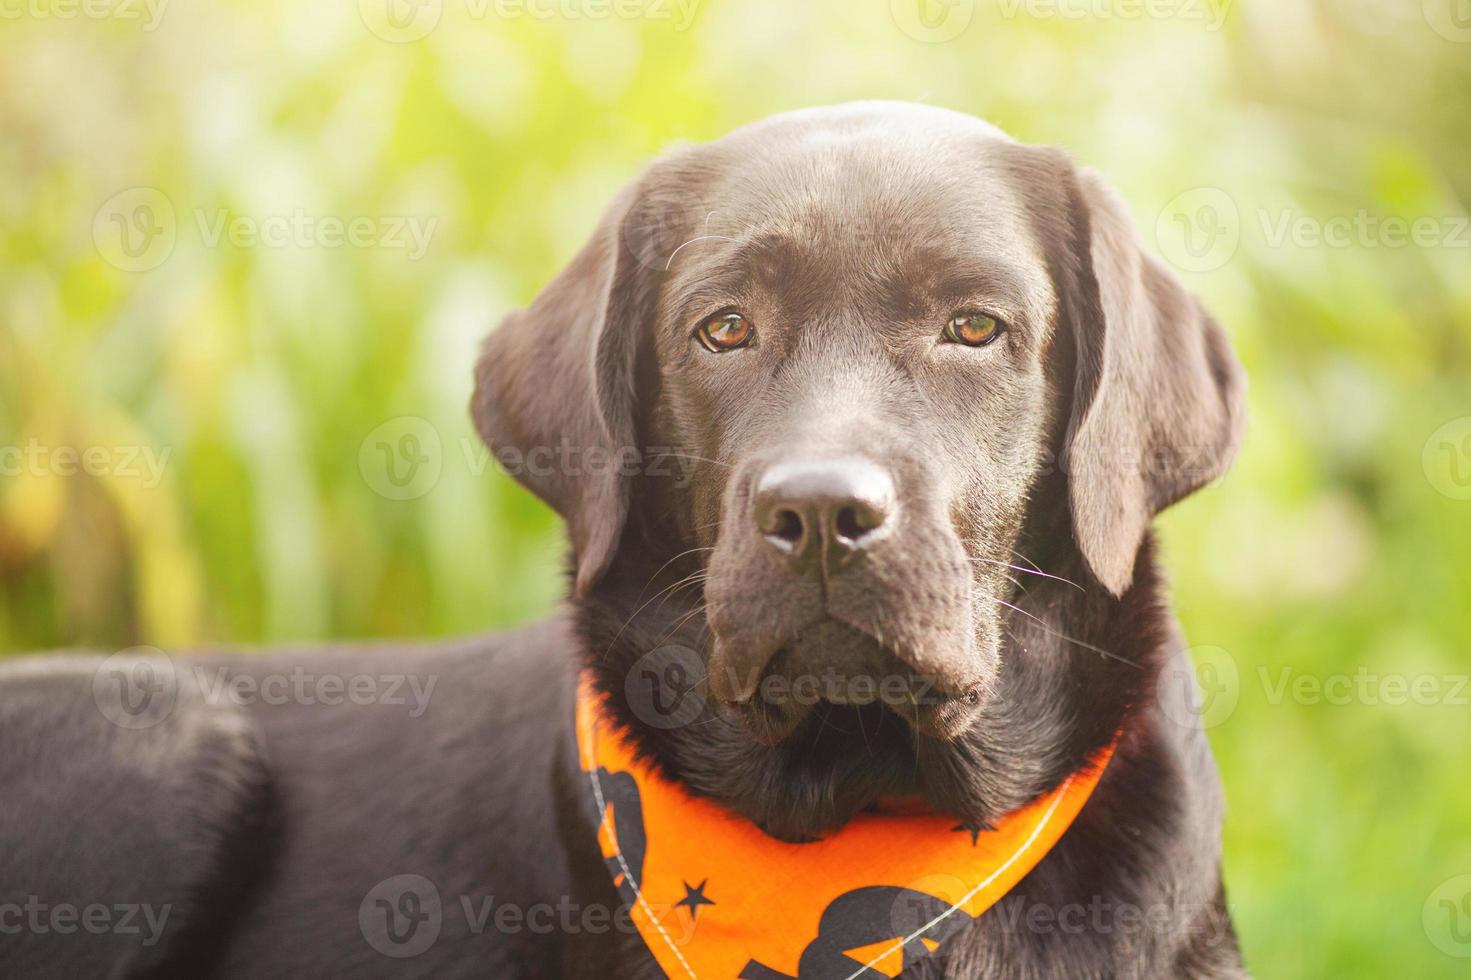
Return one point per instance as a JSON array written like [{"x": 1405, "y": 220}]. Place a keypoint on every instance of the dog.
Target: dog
[{"x": 872, "y": 402}]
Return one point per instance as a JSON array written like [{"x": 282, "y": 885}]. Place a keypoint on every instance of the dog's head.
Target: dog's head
[{"x": 851, "y": 391}]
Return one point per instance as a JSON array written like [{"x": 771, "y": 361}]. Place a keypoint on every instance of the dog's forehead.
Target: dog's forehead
[
  {"x": 858, "y": 194},
  {"x": 883, "y": 120}
]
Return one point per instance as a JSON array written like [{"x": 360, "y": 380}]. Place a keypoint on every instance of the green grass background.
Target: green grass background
[{"x": 1339, "y": 546}]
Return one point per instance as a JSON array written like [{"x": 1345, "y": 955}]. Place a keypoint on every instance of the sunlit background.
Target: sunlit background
[{"x": 247, "y": 250}]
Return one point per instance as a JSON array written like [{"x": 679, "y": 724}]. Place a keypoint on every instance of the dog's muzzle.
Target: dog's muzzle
[{"x": 827, "y": 590}]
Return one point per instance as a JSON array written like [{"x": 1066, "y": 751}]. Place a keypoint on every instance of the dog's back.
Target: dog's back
[{"x": 352, "y": 811}]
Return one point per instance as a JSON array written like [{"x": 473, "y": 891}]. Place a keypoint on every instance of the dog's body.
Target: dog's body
[
  {"x": 312, "y": 808},
  {"x": 277, "y": 833}
]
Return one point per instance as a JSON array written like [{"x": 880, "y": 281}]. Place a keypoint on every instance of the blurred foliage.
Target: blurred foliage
[{"x": 257, "y": 375}]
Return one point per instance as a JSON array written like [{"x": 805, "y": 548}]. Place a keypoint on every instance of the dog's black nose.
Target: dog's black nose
[{"x": 820, "y": 513}]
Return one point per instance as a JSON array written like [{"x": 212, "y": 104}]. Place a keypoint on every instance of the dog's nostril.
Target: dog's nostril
[
  {"x": 852, "y": 523},
  {"x": 822, "y": 508},
  {"x": 785, "y": 528}
]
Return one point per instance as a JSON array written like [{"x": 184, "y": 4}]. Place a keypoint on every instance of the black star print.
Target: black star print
[
  {"x": 975, "y": 828},
  {"x": 694, "y": 897}
]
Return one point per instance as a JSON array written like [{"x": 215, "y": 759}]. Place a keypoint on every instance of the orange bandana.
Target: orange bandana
[{"x": 715, "y": 898}]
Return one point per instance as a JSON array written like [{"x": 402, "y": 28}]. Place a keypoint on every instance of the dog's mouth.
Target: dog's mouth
[{"x": 835, "y": 675}]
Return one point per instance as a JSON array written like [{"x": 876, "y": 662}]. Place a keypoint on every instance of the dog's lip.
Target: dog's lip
[
  {"x": 943, "y": 720},
  {"x": 936, "y": 712},
  {"x": 728, "y": 686},
  {"x": 733, "y": 679}
]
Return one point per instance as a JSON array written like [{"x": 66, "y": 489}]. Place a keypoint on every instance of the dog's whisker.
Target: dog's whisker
[
  {"x": 1038, "y": 570},
  {"x": 1031, "y": 564},
  {"x": 1046, "y": 628},
  {"x": 634, "y": 615},
  {"x": 863, "y": 731},
  {"x": 1010, "y": 578},
  {"x": 914, "y": 703},
  {"x": 680, "y": 624},
  {"x": 698, "y": 459},
  {"x": 1029, "y": 571},
  {"x": 671, "y": 561},
  {"x": 682, "y": 621},
  {"x": 694, "y": 580},
  {"x": 700, "y": 238}
]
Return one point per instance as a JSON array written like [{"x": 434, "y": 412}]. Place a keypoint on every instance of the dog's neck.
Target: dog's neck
[{"x": 1077, "y": 665}]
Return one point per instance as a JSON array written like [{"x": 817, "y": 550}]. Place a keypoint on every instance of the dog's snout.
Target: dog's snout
[{"x": 823, "y": 510}]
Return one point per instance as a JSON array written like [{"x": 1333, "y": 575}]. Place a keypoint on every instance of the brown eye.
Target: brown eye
[
  {"x": 725, "y": 332},
  {"x": 973, "y": 329}
]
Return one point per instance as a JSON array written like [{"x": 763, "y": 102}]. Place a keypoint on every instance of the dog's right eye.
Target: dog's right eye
[{"x": 725, "y": 332}]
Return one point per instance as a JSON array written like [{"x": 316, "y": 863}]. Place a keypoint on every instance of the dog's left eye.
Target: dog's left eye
[
  {"x": 725, "y": 332},
  {"x": 973, "y": 329}
]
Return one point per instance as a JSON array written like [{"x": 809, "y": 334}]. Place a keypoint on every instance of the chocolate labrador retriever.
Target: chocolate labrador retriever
[{"x": 869, "y": 402}]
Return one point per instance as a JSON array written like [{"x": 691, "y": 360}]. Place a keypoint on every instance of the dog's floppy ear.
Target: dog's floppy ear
[
  {"x": 554, "y": 390},
  {"x": 1158, "y": 399}
]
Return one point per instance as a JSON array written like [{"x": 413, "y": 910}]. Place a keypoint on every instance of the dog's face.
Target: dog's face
[
  {"x": 859, "y": 348},
  {"x": 887, "y": 347}
]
